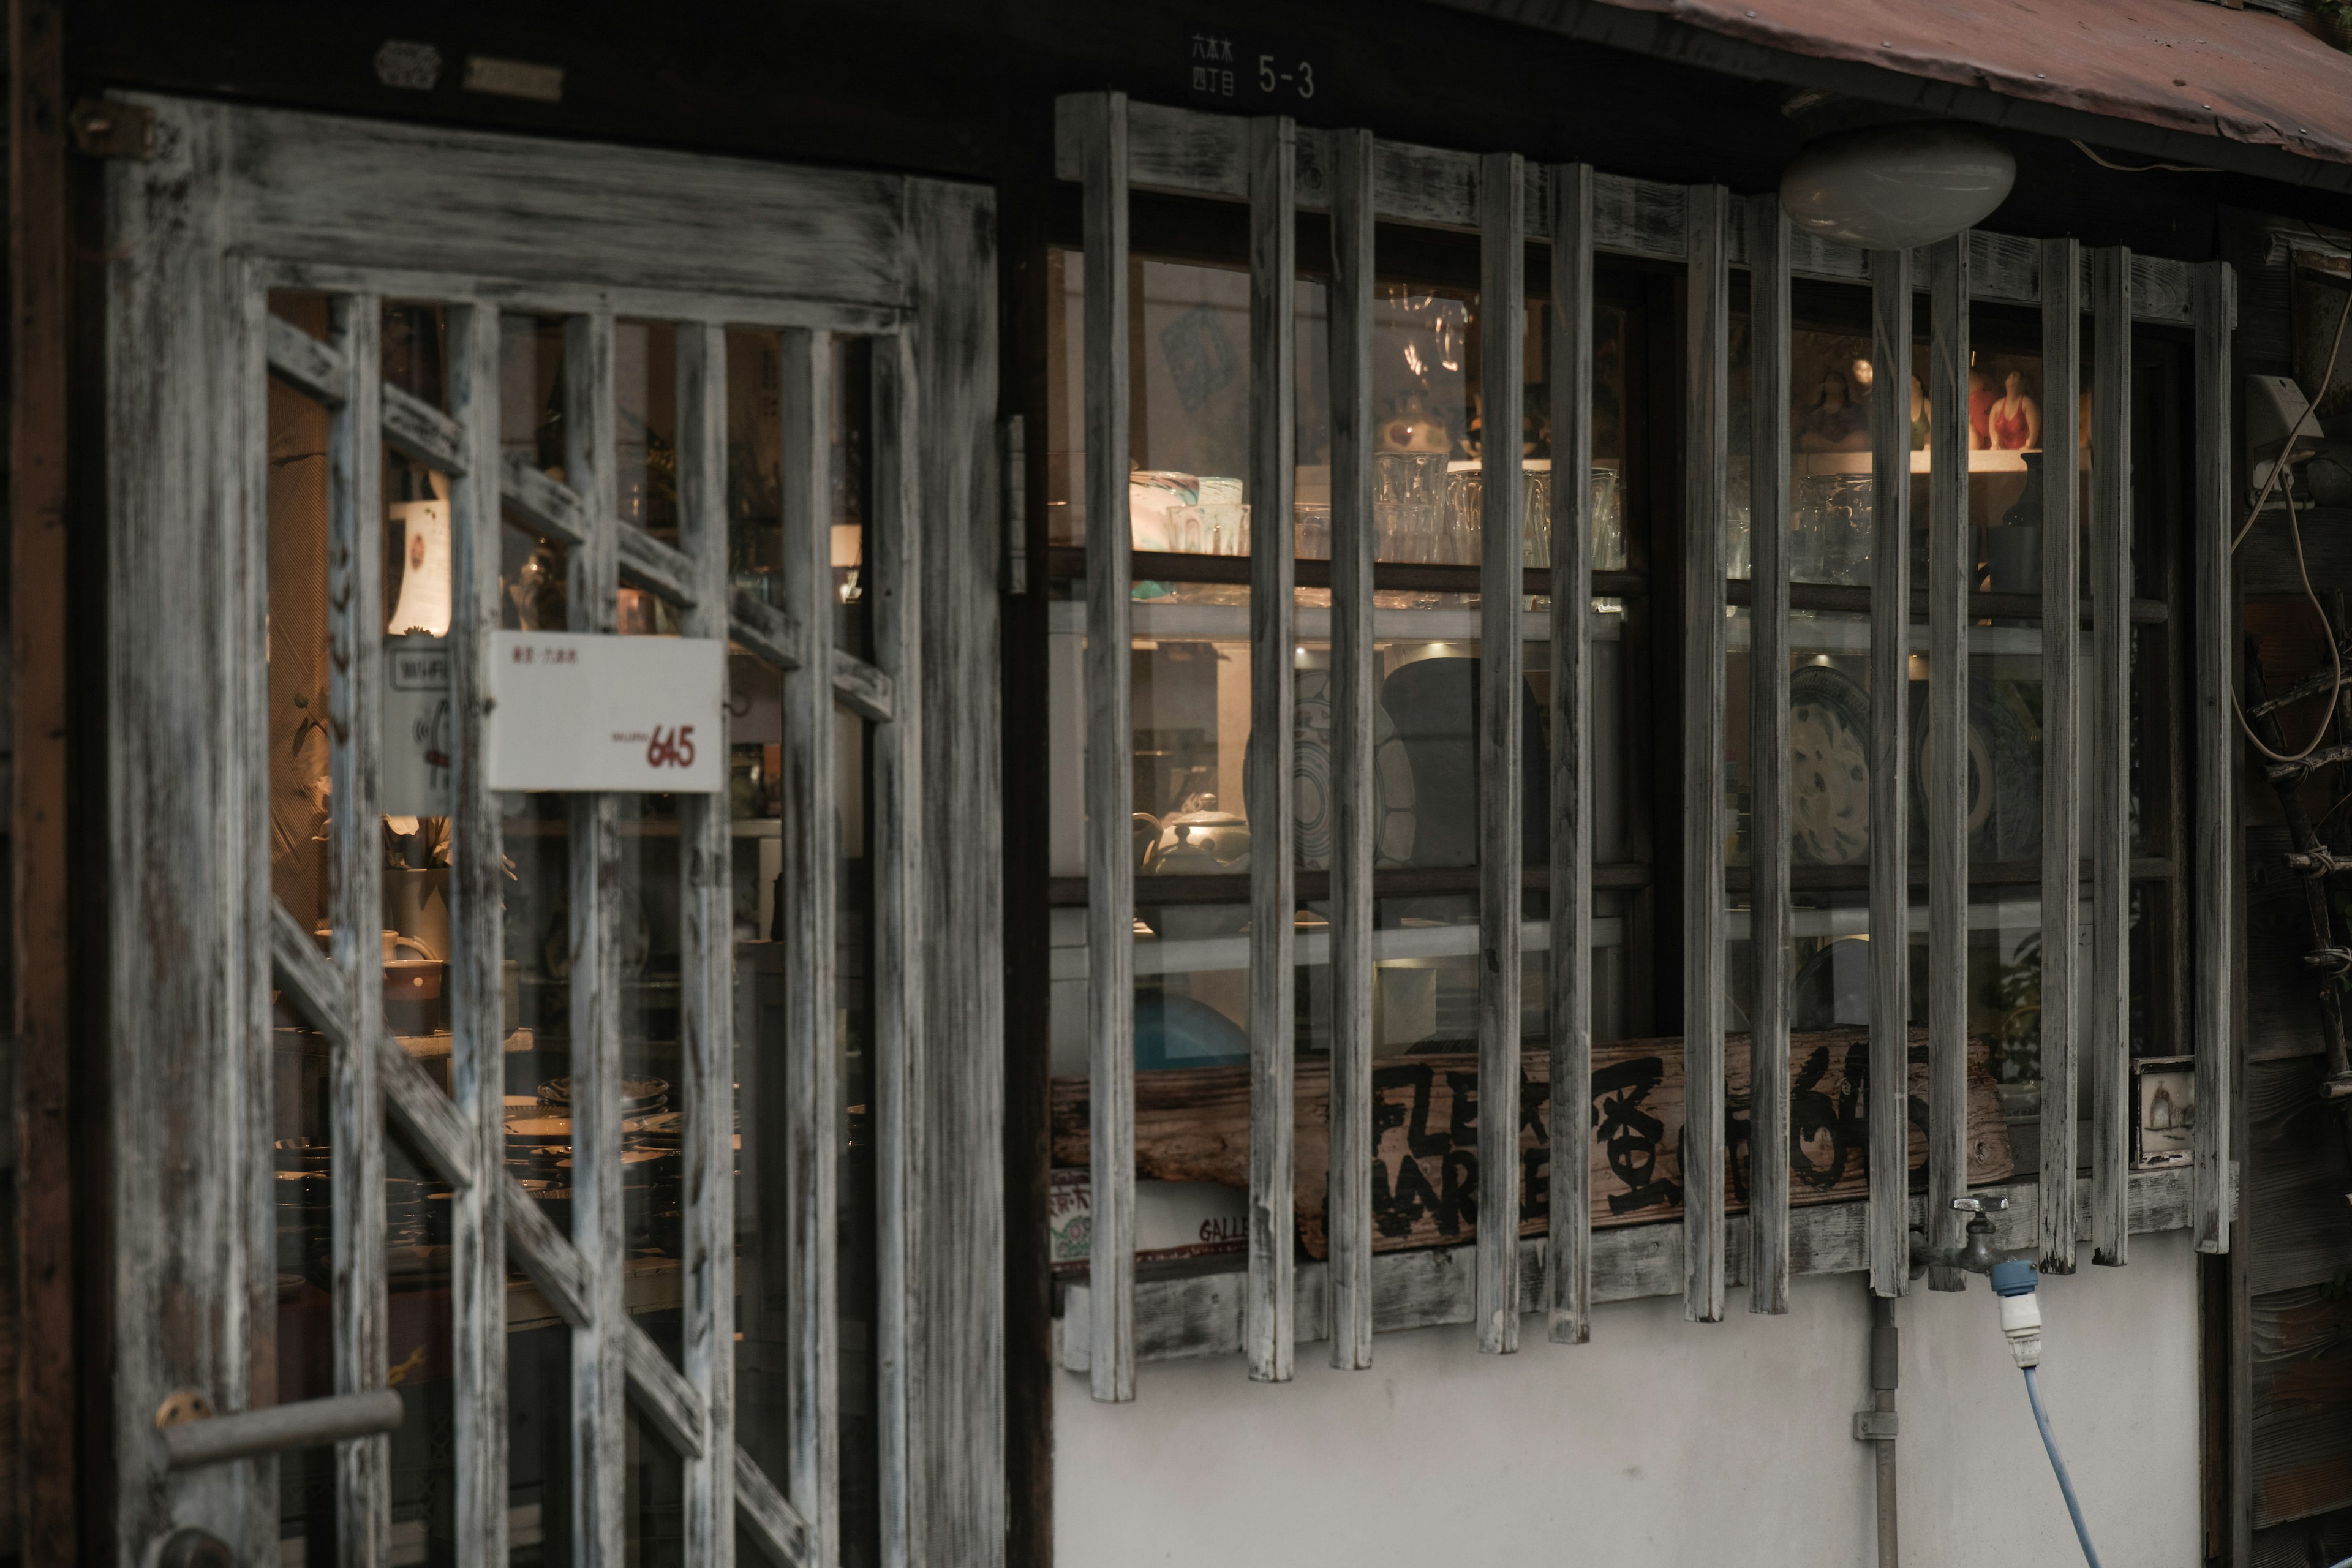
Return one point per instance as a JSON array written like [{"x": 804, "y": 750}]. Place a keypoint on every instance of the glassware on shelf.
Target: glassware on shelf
[
  {"x": 1608, "y": 522},
  {"x": 1408, "y": 505},
  {"x": 1833, "y": 529},
  {"x": 1311, "y": 531}
]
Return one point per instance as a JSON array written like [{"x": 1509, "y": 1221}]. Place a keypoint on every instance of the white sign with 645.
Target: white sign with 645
[{"x": 578, "y": 710}]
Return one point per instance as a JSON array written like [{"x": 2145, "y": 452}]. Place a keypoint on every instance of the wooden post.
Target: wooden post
[
  {"x": 707, "y": 975},
  {"x": 1502, "y": 320},
  {"x": 355, "y": 912},
  {"x": 1951, "y": 571},
  {"x": 2109, "y": 1036},
  {"x": 1568, "y": 1256},
  {"x": 1769, "y": 915},
  {"x": 1267, "y": 1314},
  {"x": 2062, "y": 783},
  {"x": 2216, "y": 741},
  {"x": 1706, "y": 423},
  {"x": 1353, "y": 678},
  {"x": 477, "y": 1276},
  {"x": 1890, "y": 800},
  {"x": 598, "y": 1230},
  {"x": 1110, "y": 786},
  {"x": 811, "y": 850}
]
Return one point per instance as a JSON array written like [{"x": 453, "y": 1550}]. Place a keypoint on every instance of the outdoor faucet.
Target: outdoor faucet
[{"x": 1974, "y": 1254}]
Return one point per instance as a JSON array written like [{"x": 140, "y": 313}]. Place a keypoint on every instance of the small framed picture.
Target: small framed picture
[{"x": 2164, "y": 1111}]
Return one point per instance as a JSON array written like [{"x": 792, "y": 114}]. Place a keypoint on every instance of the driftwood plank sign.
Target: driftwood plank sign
[{"x": 1192, "y": 1125}]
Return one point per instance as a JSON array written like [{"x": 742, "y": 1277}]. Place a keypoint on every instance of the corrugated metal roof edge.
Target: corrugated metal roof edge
[{"x": 1666, "y": 37}]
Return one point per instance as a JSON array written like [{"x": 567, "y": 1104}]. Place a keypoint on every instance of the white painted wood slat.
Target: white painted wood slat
[
  {"x": 1706, "y": 425},
  {"x": 1769, "y": 919},
  {"x": 775, "y": 1524},
  {"x": 545, "y": 501},
  {"x": 868, "y": 690},
  {"x": 414, "y": 428},
  {"x": 2062, "y": 707},
  {"x": 1353, "y": 693},
  {"x": 1502, "y": 209},
  {"x": 2107, "y": 1037},
  {"x": 647, "y": 562},
  {"x": 1109, "y": 789},
  {"x": 2213, "y": 832},
  {"x": 1567, "y": 1257},
  {"x": 1272, "y": 984},
  {"x": 1888, "y": 1113},
  {"x": 678, "y": 1415},
  {"x": 313, "y": 368},
  {"x": 599, "y": 1380},
  {"x": 706, "y": 981},
  {"x": 355, "y": 914},
  {"x": 764, "y": 629},
  {"x": 809, "y": 932},
  {"x": 1951, "y": 573},
  {"x": 478, "y": 989}
]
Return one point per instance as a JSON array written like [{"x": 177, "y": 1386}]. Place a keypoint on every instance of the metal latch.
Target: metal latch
[
  {"x": 104, "y": 129},
  {"x": 1874, "y": 1425}
]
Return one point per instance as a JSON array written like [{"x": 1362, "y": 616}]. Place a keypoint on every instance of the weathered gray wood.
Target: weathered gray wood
[
  {"x": 705, "y": 983},
  {"x": 1200, "y": 1315},
  {"x": 2107, "y": 1036},
  {"x": 1706, "y": 423},
  {"x": 2062, "y": 783},
  {"x": 1951, "y": 569},
  {"x": 275, "y": 1429},
  {"x": 1890, "y": 799},
  {"x": 647, "y": 562},
  {"x": 599, "y": 1231},
  {"x": 414, "y": 428},
  {"x": 1353, "y": 678},
  {"x": 554, "y": 1265},
  {"x": 809, "y": 932},
  {"x": 1567, "y": 1258},
  {"x": 661, "y": 1392},
  {"x": 775, "y": 1524},
  {"x": 1198, "y": 153},
  {"x": 1502, "y": 321},
  {"x": 478, "y": 1272},
  {"x": 1768, "y": 918},
  {"x": 1111, "y": 871},
  {"x": 895, "y": 600},
  {"x": 313, "y": 368},
  {"x": 768, "y": 631},
  {"x": 866, "y": 690},
  {"x": 2214, "y": 739},
  {"x": 546, "y": 502},
  {"x": 355, "y": 914},
  {"x": 1273, "y": 984}
]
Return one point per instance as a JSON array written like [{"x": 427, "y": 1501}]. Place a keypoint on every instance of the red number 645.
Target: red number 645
[{"x": 671, "y": 749}]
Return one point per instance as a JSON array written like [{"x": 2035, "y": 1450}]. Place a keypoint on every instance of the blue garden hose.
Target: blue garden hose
[{"x": 2065, "y": 1482}]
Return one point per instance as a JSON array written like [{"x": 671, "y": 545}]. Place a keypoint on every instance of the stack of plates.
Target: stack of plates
[{"x": 639, "y": 1096}]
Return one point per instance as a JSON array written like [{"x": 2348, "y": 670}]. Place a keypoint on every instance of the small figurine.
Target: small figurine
[
  {"x": 1980, "y": 405},
  {"x": 1918, "y": 416},
  {"x": 1834, "y": 423}
]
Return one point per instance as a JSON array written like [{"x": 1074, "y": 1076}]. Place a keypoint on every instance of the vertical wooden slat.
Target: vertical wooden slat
[
  {"x": 1502, "y": 320},
  {"x": 895, "y": 601},
  {"x": 707, "y": 975},
  {"x": 1769, "y": 915},
  {"x": 2216, "y": 741},
  {"x": 1110, "y": 789},
  {"x": 355, "y": 728},
  {"x": 1352, "y": 681},
  {"x": 1950, "y": 573},
  {"x": 1568, "y": 1255},
  {"x": 1268, "y": 1318},
  {"x": 811, "y": 850},
  {"x": 2107, "y": 1036},
  {"x": 478, "y": 1062},
  {"x": 2062, "y": 785},
  {"x": 1890, "y": 801},
  {"x": 598, "y": 1373},
  {"x": 1706, "y": 423}
]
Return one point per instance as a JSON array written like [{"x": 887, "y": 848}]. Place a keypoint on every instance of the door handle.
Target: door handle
[{"x": 273, "y": 1428}]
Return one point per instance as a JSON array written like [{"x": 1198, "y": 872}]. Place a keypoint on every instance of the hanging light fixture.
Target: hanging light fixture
[{"x": 1892, "y": 187}]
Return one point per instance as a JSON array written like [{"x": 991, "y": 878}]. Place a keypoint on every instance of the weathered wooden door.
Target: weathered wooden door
[{"x": 501, "y": 1164}]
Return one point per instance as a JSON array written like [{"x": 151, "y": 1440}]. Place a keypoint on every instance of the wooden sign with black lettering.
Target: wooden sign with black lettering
[{"x": 1192, "y": 1125}]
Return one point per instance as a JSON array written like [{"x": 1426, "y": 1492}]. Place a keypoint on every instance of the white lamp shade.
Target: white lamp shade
[{"x": 1892, "y": 187}]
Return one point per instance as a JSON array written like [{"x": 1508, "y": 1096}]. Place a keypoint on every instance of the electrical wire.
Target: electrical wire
[
  {"x": 2065, "y": 1482},
  {"x": 2142, "y": 168},
  {"x": 2295, "y": 531}
]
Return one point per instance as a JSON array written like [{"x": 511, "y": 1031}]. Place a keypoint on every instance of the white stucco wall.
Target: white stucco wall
[{"x": 1663, "y": 1442}]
